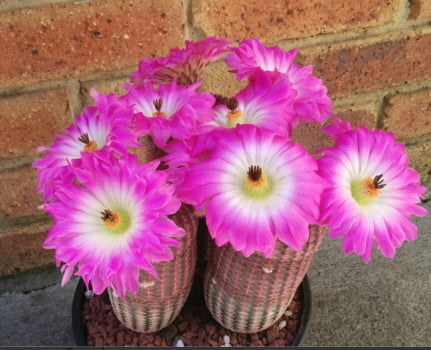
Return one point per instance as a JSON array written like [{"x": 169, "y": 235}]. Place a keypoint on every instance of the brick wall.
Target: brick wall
[{"x": 374, "y": 56}]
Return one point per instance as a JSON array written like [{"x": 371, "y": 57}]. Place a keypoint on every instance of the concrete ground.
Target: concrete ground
[{"x": 384, "y": 303}]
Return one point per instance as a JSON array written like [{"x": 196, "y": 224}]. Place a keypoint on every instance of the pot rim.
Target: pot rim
[{"x": 80, "y": 332}]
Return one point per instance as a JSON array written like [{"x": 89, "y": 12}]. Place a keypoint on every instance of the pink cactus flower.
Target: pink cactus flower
[
  {"x": 311, "y": 102},
  {"x": 372, "y": 191},
  {"x": 184, "y": 65},
  {"x": 113, "y": 222},
  {"x": 255, "y": 187},
  {"x": 105, "y": 127}
]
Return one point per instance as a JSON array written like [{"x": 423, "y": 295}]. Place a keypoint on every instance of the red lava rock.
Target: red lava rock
[
  {"x": 106, "y": 307},
  {"x": 98, "y": 341},
  {"x": 169, "y": 333},
  {"x": 194, "y": 326},
  {"x": 157, "y": 341},
  {"x": 210, "y": 328},
  {"x": 256, "y": 342},
  {"x": 110, "y": 340},
  {"x": 120, "y": 339},
  {"x": 253, "y": 337},
  {"x": 182, "y": 326},
  {"x": 279, "y": 342},
  {"x": 242, "y": 338},
  {"x": 291, "y": 324},
  {"x": 212, "y": 342},
  {"x": 272, "y": 333},
  {"x": 188, "y": 335},
  {"x": 221, "y": 332}
]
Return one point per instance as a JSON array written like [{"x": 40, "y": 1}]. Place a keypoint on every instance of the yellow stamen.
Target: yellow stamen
[
  {"x": 256, "y": 184},
  {"x": 90, "y": 146},
  {"x": 234, "y": 117},
  {"x": 372, "y": 186},
  {"x": 364, "y": 190},
  {"x": 159, "y": 114},
  {"x": 158, "y": 103},
  {"x": 255, "y": 177},
  {"x": 110, "y": 218}
]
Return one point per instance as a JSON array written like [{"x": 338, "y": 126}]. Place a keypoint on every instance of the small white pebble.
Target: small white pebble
[
  {"x": 226, "y": 339},
  {"x": 282, "y": 324},
  {"x": 267, "y": 270},
  {"x": 179, "y": 343},
  {"x": 126, "y": 36},
  {"x": 288, "y": 313}
]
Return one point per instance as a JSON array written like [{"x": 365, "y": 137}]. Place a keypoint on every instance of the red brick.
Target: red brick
[
  {"x": 421, "y": 161},
  {"x": 420, "y": 9},
  {"x": 310, "y": 136},
  {"x": 18, "y": 195},
  {"x": 364, "y": 115},
  {"x": 114, "y": 86},
  {"x": 32, "y": 120},
  {"x": 408, "y": 115},
  {"x": 74, "y": 39},
  {"x": 346, "y": 70},
  {"x": 279, "y": 19},
  {"x": 217, "y": 80},
  {"x": 6, "y": 5},
  {"x": 22, "y": 249}
]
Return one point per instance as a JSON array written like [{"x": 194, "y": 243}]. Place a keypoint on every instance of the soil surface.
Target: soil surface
[{"x": 194, "y": 326}]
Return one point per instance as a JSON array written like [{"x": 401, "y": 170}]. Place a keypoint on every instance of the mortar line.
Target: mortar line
[{"x": 351, "y": 38}]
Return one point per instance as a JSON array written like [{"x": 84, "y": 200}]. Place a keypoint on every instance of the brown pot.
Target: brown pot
[
  {"x": 248, "y": 295},
  {"x": 158, "y": 302}
]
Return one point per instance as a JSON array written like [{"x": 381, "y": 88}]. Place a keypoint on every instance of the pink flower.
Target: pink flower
[
  {"x": 256, "y": 187},
  {"x": 98, "y": 129},
  {"x": 185, "y": 65},
  {"x": 266, "y": 102},
  {"x": 114, "y": 223},
  {"x": 337, "y": 128},
  {"x": 372, "y": 192},
  {"x": 185, "y": 153},
  {"x": 170, "y": 111},
  {"x": 311, "y": 102}
]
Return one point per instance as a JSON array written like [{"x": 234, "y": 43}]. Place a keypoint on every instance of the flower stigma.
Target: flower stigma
[
  {"x": 90, "y": 145},
  {"x": 158, "y": 105},
  {"x": 256, "y": 184},
  {"x": 234, "y": 116},
  {"x": 116, "y": 221},
  {"x": 364, "y": 191}
]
